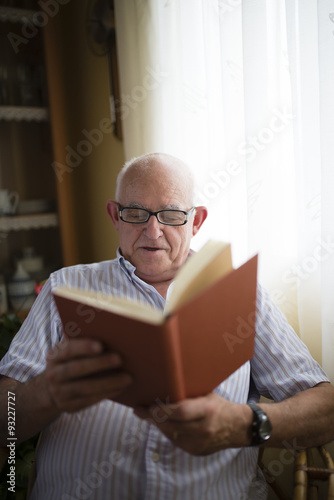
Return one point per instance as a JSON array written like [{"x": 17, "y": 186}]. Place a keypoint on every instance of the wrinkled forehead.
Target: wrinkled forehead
[{"x": 161, "y": 183}]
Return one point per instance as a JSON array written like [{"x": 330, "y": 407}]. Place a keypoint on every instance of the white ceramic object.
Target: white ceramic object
[
  {"x": 21, "y": 289},
  {"x": 8, "y": 202}
]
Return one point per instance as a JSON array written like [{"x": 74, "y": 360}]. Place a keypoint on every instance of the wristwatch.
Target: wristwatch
[{"x": 261, "y": 427}]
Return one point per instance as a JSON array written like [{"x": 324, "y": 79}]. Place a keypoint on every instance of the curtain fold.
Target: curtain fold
[
  {"x": 326, "y": 73},
  {"x": 241, "y": 90}
]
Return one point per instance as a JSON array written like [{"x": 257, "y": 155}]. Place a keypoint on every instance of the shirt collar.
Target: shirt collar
[{"x": 125, "y": 265}]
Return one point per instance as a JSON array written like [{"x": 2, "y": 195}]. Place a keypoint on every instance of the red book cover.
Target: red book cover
[{"x": 184, "y": 354}]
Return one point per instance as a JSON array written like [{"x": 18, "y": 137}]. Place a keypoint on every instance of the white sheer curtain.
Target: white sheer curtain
[{"x": 242, "y": 91}]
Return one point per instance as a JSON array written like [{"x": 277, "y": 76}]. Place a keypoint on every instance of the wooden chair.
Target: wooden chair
[
  {"x": 312, "y": 468},
  {"x": 308, "y": 475}
]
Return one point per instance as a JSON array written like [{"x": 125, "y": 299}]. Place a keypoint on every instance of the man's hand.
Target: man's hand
[
  {"x": 208, "y": 424},
  {"x": 204, "y": 425},
  {"x": 80, "y": 374}
]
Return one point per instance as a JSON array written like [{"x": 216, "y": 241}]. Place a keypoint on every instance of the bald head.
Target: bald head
[{"x": 151, "y": 167}]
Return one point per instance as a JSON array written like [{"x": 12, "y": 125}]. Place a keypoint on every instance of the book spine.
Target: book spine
[{"x": 174, "y": 360}]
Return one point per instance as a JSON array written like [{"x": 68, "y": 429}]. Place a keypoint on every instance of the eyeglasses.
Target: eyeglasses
[{"x": 168, "y": 217}]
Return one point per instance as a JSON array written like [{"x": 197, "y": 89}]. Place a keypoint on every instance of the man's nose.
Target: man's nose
[{"x": 153, "y": 228}]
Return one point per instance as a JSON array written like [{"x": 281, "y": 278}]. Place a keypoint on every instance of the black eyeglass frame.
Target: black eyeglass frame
[{"x": 156, "y": 214}]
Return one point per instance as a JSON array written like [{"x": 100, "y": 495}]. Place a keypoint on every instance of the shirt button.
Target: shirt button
[{"x": 155, "y": 457}]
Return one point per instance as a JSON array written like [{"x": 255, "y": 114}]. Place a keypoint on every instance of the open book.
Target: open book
[{"x": 205, "y": 333}]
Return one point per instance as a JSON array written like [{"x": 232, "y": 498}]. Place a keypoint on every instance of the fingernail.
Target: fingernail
[
  {"x": 96, "y": 347},
  {"x": 115, "y": 360}
]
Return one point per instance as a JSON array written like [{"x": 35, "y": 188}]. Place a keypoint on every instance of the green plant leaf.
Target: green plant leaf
[
  {"x": 9, "y": 325},
  {"x": 5, "y": 338}
]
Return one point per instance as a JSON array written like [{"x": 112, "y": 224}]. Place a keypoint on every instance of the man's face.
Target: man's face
[{"x": 156, "y": 250}]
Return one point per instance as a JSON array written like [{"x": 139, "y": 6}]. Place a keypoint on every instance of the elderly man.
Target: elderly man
[{"x": 201, "y": 448}]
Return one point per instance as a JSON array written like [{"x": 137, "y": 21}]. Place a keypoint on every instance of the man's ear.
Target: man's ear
[
  {"x": 201, "y": 214},
  {"x": 112, "y": 210}
]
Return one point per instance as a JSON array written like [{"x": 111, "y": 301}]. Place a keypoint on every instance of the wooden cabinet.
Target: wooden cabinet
[{"x": 26, "y": 152}]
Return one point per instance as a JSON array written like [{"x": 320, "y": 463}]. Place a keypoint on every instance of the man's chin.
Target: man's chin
[
  {"x": 154, "y": 272},
  {"x": 151, "y": 259}
]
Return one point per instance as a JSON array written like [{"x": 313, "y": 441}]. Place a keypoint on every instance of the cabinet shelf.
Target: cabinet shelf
[
  {"x": 16, "y": 15},
  {"x": 27, "y": 222},
  {"x": 23, "y": 113}
]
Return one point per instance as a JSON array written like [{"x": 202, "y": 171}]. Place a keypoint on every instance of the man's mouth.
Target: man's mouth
[{"x": 152, "y": 249}]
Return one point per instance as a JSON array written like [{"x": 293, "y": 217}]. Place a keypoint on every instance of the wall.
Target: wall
[{"x": 87, "y": 153}]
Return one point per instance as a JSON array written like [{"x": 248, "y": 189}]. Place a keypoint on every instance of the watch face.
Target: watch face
[
  {"x": 261, "y": 428},
  {"x": 265, "y": 429}
]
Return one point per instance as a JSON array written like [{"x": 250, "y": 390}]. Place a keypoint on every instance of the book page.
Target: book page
[
  {"x": 118, "y": 305},
  {"x": 202, "y": 269}
]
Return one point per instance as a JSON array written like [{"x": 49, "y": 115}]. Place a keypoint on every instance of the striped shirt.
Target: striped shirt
[{"x": 105, "y": 452}]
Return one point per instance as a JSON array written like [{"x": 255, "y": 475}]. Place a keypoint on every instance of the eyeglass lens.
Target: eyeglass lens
[{"x": 137, "y": 215}]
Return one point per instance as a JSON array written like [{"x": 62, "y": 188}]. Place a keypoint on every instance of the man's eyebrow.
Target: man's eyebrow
[
  {"x": 135, "y": 205},
  {"x": 173, "y": 207},
  {"x": 165, "y": 207}
]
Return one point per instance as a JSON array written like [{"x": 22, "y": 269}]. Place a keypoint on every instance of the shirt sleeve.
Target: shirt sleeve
[
  {"x": 282, "y": 364},
  {"x": 40, "y": 331}
]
